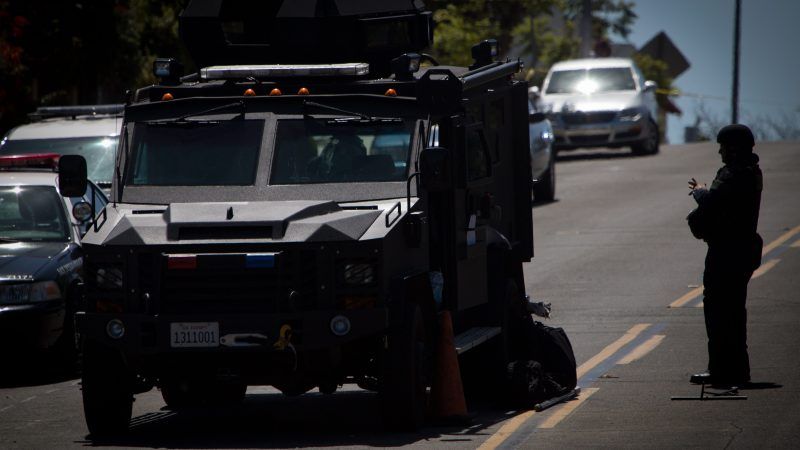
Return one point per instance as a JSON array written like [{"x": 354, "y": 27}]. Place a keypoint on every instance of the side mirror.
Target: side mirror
[
  {"x": 537, "y": 117},
  {"x": 82, "y": 212},
  {"x": 436, "y": 171},
  {"x": 650, "y": 85},
  {"x": 72, "y": 175}
]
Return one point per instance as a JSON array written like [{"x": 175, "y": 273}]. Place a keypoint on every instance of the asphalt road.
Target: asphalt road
[{"x": 612, "y": 254}]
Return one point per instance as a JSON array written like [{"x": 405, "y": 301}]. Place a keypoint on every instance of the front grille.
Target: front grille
[
  {"x": 583, "y": 118},
  {"x": 289, "y": 286},
  {"x": 597, "y": 138},
  {"x": 628, "y": 134}
]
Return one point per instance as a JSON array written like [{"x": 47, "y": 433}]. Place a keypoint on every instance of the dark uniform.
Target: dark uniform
[{"x": 728, "y": 216}]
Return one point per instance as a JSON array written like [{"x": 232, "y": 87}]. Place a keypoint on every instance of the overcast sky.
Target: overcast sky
[{"x": 769, "y": 80}]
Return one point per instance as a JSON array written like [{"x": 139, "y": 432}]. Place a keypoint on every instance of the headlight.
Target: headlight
[
  {"x": 41, "y": 291},
  {"x": 630, "y": 115},
  {"x": 547, "y": 136},
  {"x": 359, "y": 274}
]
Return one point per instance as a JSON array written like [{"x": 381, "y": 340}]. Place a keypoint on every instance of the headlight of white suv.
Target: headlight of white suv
[{"x": 630, "y": 115}]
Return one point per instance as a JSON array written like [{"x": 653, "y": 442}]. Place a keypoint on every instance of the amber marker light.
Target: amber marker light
[
  {"x": 249, "y": 93},
  {"x": 167, "y": 96},
  {"x": 303, "y": 91},
  {"x": 275, "y": 91},
  {"x": 390, "y": 93}
]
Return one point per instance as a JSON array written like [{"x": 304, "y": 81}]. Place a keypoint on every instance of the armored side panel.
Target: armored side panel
[{"x": 304, "y": 31}]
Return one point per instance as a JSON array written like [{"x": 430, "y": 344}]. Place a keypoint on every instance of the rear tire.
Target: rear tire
[
  {"x": 107, "y": 391},
  {"x": 403, "y": 393}
]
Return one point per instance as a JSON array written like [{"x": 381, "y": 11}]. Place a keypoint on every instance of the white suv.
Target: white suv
[
  {"x": 89, "y": 131},
  {"x": 601, "y": 102}
]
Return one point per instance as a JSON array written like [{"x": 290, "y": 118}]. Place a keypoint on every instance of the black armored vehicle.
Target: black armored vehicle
[{"x": 299, "y": 211}]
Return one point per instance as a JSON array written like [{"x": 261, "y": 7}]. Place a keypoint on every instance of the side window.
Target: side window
[
  {"x": 640, "y": 79},
  {"x": 495, "y": 121},
  {"x": 478, "y": 163},
  {"x": 99, "y": 200}
]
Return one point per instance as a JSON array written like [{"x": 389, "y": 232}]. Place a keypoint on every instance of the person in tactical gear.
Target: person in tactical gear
[{"x": 727, "y": 218}]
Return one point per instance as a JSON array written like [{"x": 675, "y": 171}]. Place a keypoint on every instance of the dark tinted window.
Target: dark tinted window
[
  {"x": 478, "y": 163},
  {"x": 316, "y": 151},
  {"x": 590, "y": 81},
  {"x": 196, "y": 153}
]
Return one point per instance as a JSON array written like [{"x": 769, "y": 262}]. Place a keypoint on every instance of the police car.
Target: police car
[{"x": 40, "y": 255}]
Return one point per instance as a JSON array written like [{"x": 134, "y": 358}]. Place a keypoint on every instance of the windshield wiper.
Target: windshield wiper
[
  {"x": 352, "y": 117},
  {"x": 182, "y": 119},
  {"x": 6, "y": 240}
]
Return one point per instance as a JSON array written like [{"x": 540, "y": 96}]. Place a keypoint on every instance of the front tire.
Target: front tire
[
  {"x": 404, "y": 389},
  {"x": 107, "y": 391},
  {"x": 650, "y": 145}
]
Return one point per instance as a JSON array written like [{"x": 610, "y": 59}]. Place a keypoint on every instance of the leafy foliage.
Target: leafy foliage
[{"x": 72, "y": 52}]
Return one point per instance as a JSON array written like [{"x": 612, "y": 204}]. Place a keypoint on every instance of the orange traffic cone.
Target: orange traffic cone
[{"x": 447, "y": 401}]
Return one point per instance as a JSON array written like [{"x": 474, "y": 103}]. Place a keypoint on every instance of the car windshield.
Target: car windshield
[
  {"x": 590, "y": 81},
  {"x": 195, "y": 153},
  {"x": 32, "y": 213},
  {"x": 98, "y": 151},
  {"x": 320, "y": 151}
]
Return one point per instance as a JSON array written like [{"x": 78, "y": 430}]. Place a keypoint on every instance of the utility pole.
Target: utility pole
[
  {"x": 736, "y": 38},
  {"x": 586, "y": 28}
]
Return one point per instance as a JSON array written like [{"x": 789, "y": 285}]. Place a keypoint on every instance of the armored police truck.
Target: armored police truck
[{"x": 299, "y": 211}]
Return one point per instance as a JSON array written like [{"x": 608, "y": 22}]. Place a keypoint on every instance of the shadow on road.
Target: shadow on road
[
  {"x": 35, "y": 371},
  {"x": 759, "y": 385},
  {"x": 275, "y": 421}
]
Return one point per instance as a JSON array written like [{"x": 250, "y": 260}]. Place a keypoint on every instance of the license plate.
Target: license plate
[{"x": 194, "y": 334}]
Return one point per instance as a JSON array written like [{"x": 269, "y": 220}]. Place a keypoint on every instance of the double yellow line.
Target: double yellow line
[{"x": 513, "y": 424}]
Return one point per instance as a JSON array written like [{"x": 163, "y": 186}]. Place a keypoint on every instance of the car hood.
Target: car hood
[
  {"x": 22, "y": 260},
  {"x": 603, "y": 101},
  {"x": 259, "y": 221}
]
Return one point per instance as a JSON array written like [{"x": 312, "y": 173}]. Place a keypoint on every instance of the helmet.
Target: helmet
[{"x": 737, "y": 136}]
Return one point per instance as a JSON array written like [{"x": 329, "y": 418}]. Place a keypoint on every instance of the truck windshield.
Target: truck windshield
[
  {"x": 320, "y": 151},
  {"x": 590, "y": 81},
  {"x": 195, "y": 153},
  {"x": 32, "y": 213}
]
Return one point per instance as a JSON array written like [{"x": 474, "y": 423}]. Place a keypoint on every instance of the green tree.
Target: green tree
[
  {"x": 73, "y": 52},
  {"x": 462, "y": 24},
  {"x": 543, "y": 31}
]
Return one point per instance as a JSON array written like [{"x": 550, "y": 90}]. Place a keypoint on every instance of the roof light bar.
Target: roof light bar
[
  {"x": 77, "y": 110},
  {"x": 34, "y": 161},
  {"x": 284, "y": 70}
]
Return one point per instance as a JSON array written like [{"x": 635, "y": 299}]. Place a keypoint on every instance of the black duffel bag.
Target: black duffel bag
[{"x": 549, "y": 346}]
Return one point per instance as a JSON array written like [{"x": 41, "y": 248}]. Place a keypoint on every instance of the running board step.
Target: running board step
[{"x": 474, "y": 337}]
